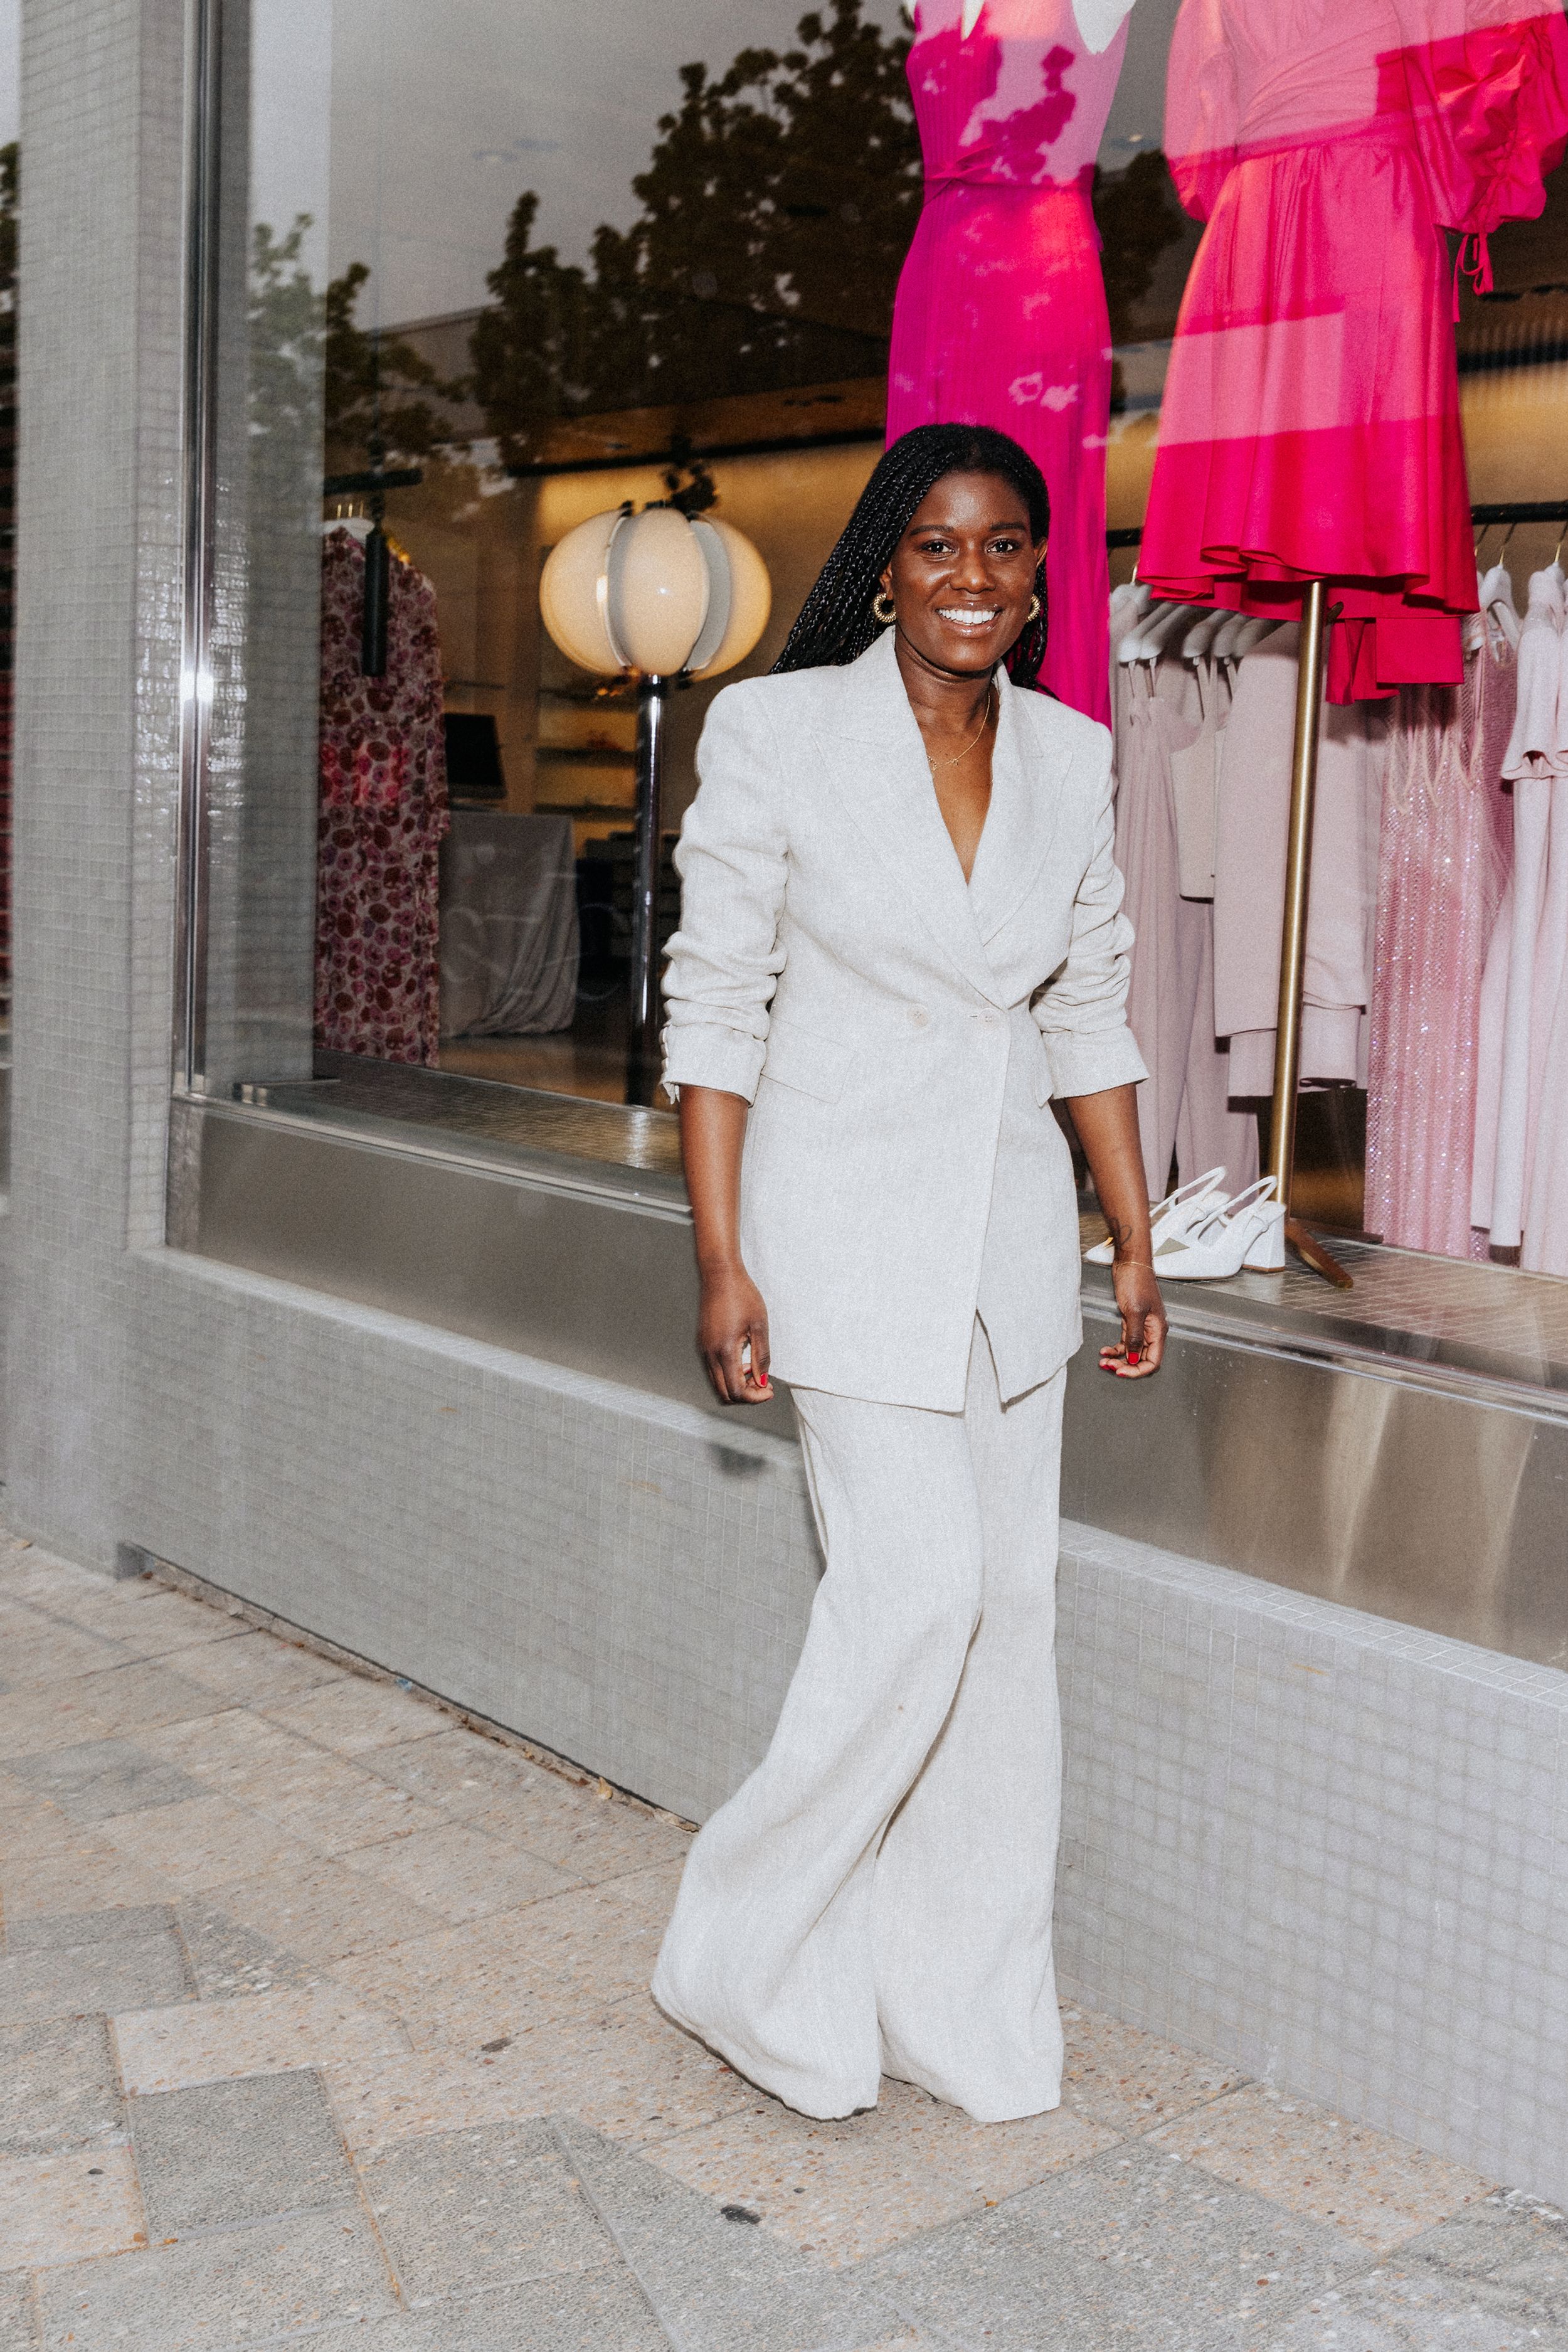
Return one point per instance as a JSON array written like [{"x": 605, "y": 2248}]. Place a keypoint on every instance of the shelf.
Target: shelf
[{"x": 587, "y": 755}]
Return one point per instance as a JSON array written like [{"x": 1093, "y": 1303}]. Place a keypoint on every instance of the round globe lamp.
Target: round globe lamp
[{"x": 660, "y": 595}]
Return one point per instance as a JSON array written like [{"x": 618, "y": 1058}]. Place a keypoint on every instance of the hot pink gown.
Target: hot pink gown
[
  {"x": 1311, "y": 420},
  {"x": 1000, "y": 318}
]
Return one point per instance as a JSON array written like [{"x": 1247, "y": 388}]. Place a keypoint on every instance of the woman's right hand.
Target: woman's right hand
[{"x": 732, "y": 1318}]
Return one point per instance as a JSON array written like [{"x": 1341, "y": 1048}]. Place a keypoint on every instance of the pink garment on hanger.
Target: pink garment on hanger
[
  {"x": 1182, "y": 1104},
  {"x": 1001, "y": 316},
  {"x": 1249, "y": 875},
  {"x": 1447, "y": 826},
  {"x": 1310, "y": 420},
  {"x": 382, "y": 814}
]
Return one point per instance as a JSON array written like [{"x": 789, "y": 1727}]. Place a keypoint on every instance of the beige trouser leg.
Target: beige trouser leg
[{"x": 810, "y": 1940}]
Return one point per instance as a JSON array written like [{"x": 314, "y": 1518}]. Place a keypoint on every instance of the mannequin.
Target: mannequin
[
  {"x": 1310, "y": 427},
  {"x": 1000, "y": 317}
]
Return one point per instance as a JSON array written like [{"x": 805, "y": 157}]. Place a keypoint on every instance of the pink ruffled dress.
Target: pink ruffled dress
[
  {"x": 1310, "y": 420},
  {"x": 1000, "y": 317}
]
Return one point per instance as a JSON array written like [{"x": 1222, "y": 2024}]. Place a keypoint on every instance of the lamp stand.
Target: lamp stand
[
  {"x": 1293, "y": 938},
  {"x": 642, "y": 1056}
]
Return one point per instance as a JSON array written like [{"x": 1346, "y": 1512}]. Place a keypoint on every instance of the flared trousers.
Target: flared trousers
[{"x": 876, "y": 1897}]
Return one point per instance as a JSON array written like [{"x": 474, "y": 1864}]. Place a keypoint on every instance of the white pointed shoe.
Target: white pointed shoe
[
  {"x": 1179, "y": 1213},
  {"x": 1249, "y": 1230}
]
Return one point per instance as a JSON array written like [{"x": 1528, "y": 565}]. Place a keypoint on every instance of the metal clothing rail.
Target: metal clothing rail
[{"x": 1507, "y": 510}]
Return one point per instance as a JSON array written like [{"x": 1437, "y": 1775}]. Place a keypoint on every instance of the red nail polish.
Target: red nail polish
[{"x": 1135, "y": 1355}]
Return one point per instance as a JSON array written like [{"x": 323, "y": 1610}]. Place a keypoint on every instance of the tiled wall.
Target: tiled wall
[
  {"x": 1331, "y": 1847},
  {"x": 1318, "y": 1842}
]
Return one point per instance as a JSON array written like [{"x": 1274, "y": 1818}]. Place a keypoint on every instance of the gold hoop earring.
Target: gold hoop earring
[
  {"x": 1034, "y": 608},
  {"x": 877, "y": 602}
]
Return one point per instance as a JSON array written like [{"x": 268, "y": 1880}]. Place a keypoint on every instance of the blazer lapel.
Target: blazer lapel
[
  {"x": 1021, "y": 823},
  {"x": 872, "y": 739}
]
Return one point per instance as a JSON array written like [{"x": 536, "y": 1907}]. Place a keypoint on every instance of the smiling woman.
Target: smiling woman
[{"x": 900, "y": 938}]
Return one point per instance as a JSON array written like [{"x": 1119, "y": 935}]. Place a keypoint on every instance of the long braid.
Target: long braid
[{"x": 836, "y": 623}]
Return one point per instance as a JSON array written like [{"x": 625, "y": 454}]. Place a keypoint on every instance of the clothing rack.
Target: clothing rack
[{"x": 1508, "y": 511}]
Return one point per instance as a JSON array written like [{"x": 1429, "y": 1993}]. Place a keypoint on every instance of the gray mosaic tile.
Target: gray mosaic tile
[
  {"x": 57, "y": 2086},
  {"x": 1128, "y": 2253},
  {"x": 467, "y": 2209},
  {"x": 105, "y": 1776},
  {"x": 720, "y": 2284},
  {"x": 105, "y": 1977},
  {"x": 212, "y": 2293},
  {"x": 231, "y": 2152},
  {"x": 228, "y": 1959},
  {"x": 68, "y": 1931}
]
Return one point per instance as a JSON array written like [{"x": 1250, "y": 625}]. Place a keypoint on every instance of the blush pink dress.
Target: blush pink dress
[
  {"x": 1310, "y": 420},
  {"x": 1000, "y": 317}
]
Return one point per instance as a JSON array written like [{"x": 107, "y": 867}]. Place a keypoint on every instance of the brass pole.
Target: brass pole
[{"x": 1293, "y": 937}]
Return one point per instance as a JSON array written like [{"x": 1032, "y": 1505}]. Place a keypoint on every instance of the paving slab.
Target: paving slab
[
  {"x": 357, "y": 1713},
  {"x": 17, "y": 2313},
  {"x": 67, "y": 2207},
  {"x": 626, "y": 2071},
  {"x": 70, "y": 1878},
  {"x": 484, "y": 2208},
  {"x": 844, "y": 2191},
  {"x": 1510, "y": 2239},
  {"x": 58, "y": 2087},
  {"x": 1125, "y": 2078},
  {"x": 231, "y": 2287},
  {"x": 146, "y": 1972},
  {"x": 228, "y": 1957},
  {"x": 125, "y": 1698},
  {"x": 1138, "y": 2253},
  {"x": 324, "y": 1910},
  {"x": 718, "y": 2281},
  {"x": 1379, "y": 2189},
  {"x": 233, "y": 2152},
  {"x": 586, "y": 2311},
  {"x": 168, "y": 2049},
  {"x": 102, "y": 1777},
  {"x": 65, "y": 1931},
  {"x": 496, "y": 1790},
  {"x": 256, "y": 1667},
  {"x": 1411, "y": 2306},
  {"x": 455, "y": 1873}
]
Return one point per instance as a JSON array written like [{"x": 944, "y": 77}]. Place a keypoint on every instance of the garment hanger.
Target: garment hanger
[
  {"x": 1156, "y": 635},
  {"x": 1254, "y": 628},
  {"x": 1198, "y": 643}
]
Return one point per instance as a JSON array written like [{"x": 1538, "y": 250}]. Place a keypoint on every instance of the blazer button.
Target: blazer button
[{"x": 918, "y": 1017}]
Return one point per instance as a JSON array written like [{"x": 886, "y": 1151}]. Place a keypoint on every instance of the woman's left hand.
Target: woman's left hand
[{"x": 1143, "y": 1312}]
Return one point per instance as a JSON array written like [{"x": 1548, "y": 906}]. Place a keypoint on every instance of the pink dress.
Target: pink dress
[
  {"x": 1000, "y": 318},
  {"x": 1445, "y": 855},
  {"x": 1310, "y": 420}
]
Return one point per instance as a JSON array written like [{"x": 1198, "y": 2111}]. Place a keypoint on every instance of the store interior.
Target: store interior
[{"x": 432, "y": 427}]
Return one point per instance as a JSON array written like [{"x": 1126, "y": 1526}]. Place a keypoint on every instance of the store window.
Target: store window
[{"x": 479, "y": 273}]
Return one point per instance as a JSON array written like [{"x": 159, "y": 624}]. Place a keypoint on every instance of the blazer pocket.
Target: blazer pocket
[
  {"x": 1042, "y": 1078},
  {"x": 810, "y": 1063}
]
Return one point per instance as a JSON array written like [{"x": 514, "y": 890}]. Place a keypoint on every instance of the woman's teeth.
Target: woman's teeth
[{"x": 966, "y": 616}]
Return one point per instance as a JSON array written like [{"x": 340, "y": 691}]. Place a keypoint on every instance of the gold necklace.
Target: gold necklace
[{"x": 953, "y": 761}]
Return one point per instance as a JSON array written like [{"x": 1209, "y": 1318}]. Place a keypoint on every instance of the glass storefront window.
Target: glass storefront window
[{"x": 483, "y": 273}]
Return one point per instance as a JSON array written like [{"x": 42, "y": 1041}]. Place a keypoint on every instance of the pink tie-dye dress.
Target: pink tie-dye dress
[{"x": 1310, "y": 420}]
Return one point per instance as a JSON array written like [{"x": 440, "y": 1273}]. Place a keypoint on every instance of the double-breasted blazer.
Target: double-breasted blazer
[{"x": 900, "y": 1033}]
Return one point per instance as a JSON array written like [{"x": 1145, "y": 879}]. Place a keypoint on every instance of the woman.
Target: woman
[{"x": 899, "y": 939}]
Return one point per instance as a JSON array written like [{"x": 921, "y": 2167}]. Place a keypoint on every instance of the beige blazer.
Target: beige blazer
[{"x": 899, "y": 1033}]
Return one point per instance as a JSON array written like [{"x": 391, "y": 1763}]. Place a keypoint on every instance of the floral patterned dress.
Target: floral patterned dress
[{"x": 382, "y": 814}]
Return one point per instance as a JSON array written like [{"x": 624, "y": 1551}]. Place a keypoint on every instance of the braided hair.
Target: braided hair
[{"x": 837, "y": 623}]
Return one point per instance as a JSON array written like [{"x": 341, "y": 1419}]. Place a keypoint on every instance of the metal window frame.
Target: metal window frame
[{"x": 204, "y": 98}]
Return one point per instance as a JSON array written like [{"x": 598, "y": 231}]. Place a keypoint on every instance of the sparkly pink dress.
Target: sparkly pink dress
[
  {"x": 1000, "y": 318},
  {"x": 1311, "y": 420},
  {"x": 1445, "y": 844}
]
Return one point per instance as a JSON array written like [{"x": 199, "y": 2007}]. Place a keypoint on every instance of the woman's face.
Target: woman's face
[{"x": 963, "y": 574}]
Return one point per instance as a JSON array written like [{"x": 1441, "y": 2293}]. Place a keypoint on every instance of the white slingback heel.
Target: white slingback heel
[
  {"x": 1179, "y": 1213},
  {"x": 1249, "y": 1230}
]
